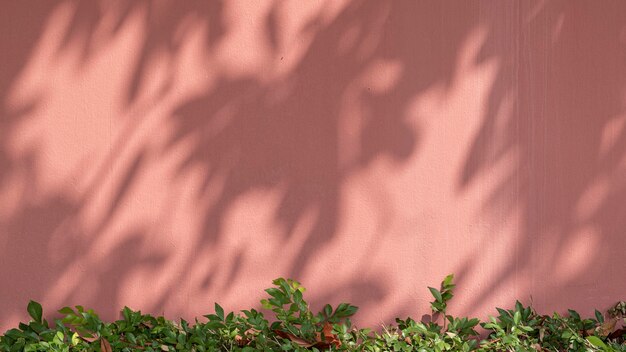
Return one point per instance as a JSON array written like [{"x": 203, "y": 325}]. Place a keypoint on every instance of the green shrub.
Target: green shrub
[{"x": 294, "y": 327}]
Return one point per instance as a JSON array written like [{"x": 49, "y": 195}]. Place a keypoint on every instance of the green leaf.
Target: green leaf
[
  {"x": 574, "y": 314},
  {"x": 35, "y": 311},
  {"x": 446, "y": 296},
  {"x": 328, "y": 310},
  {"x": 297, "y": 296},
  {"x": 448, "y": 280},
  {"x": 266, "y": 304},
  {"x": 436, "y": 294},
  {"x": 503, "y": 313},
  {"x": 230, "y": 317},
  {"x": 437, "y": 306},
  {"x": 594, "y": 340},
  {"x": 214, "y": 324},
  {"x": 599, "y": 317},
  {"x": 126, "y": 313},
  {"x": 527, "y": 328},
  {"x": 517, "y": 317},
  {"x": 219, "y": 311},
  {"x": 274, "y": 292},
  {"x": 66, "y": 310},
  {"x": 37, "y": 327},
  {"x": 285, "y": 286},
  {"x": 347, "y": 311}
]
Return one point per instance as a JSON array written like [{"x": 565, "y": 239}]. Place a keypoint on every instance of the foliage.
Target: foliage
[{"x": 294, "y": 327}]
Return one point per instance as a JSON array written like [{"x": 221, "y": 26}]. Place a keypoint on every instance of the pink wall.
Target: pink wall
[{"x": 165, "y": 155}]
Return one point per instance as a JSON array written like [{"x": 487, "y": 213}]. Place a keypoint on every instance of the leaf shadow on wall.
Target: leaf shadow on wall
[
  {"x": 47, "y": 247},
  {"x": 287, "y": 136},
  {"x": 564, "y": 80}
]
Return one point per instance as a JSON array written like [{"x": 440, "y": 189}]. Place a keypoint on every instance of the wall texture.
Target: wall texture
[{"x": 168, "y": 154}]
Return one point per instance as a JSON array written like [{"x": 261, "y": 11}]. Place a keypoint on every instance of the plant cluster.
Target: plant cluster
[{"x": 294, "y": 327}]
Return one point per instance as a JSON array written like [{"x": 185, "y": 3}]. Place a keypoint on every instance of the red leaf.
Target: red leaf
[
  {"x": 329, "y": 337},
  {"x": 295, "y": 339},
  {"x": 89, "y": 339},
  {"x": 105, "y": 346}
]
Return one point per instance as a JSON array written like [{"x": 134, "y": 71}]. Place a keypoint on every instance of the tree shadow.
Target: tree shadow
[
  {"x": 566, "y": 77},
  {"x": 289, "y": 134},
  {"x": 46, "y": 246},
  {"x": 303, "y": 127}
]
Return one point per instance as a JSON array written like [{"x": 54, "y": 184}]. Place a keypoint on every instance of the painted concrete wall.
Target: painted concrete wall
[{"x": 165, "y": 155}]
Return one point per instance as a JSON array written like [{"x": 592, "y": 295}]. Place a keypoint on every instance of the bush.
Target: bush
[{"x": 295, "y": 327}]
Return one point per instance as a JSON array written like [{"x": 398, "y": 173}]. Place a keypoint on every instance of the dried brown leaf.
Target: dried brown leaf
[{"x": 607, "y": 327}]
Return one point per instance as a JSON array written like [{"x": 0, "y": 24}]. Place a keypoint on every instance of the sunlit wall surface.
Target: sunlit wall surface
[{"x": 169, "y": 154}]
